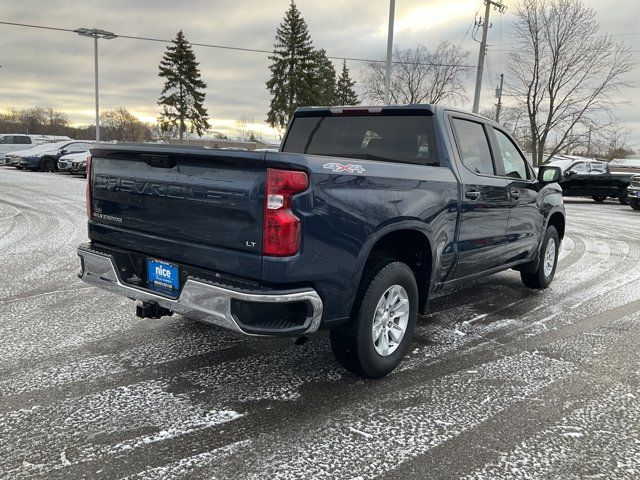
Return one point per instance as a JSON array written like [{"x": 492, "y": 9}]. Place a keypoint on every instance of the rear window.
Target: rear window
[{"x": 390, "y": 138}]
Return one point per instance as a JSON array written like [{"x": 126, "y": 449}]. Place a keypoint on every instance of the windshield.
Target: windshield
[
  {"x": 392, "y": 138},
  {"x": 563, "y": 164}
]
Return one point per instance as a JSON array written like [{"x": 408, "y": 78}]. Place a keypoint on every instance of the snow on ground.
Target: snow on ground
[{"x": 501, "y": 382}]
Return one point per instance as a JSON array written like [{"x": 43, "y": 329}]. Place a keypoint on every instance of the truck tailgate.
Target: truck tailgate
[{"x": 192, "y": 205}]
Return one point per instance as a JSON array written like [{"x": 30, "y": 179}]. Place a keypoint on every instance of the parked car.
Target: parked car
[
  {"x": 633, "y": 192},
  {"x": 45, "y": 158},
  {"x": 351, "y": 226},
  {"x": 66, "y": 162},
  {"x": 14, "y": 141},
  {"x": 591, "y": 178},
  {"x": 13, "y": 158},
  {"x": 79, "y": 165}
]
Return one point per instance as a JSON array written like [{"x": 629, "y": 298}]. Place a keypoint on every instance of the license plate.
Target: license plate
[{"x": 162, "y": 275}]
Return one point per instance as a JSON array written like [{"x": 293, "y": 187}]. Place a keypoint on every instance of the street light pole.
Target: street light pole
[
  {"x": 387, "y": 75},
  {"x": 96, "y": 34},
  {"x": 95, "y": 55}
]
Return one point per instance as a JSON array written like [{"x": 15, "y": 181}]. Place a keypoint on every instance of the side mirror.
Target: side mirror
[
  {"x": 572, "y": 172},
  {"x": 549, "y": 174},
  {"x": 63, "y": 151}
]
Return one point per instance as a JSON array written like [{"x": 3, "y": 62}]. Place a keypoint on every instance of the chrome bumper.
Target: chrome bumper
[{"x": 198, "y": 300}]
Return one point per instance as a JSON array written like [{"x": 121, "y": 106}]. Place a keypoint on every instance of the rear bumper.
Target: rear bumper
[{"x": 215, "y": 304}]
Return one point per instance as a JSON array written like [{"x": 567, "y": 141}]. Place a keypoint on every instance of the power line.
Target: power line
[{"x": 241, "y": 49}]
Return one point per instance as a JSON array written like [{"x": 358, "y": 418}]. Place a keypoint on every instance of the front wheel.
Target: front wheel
[
  {"x": 547, "y": 262},
  {"x": 379, "y": 332},
  {"x": 47, "y": 165},
  {"x": 635, "y": 203},
  {"x": 599, "y": 198}
]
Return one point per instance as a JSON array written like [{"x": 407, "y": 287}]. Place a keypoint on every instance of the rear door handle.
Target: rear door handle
[
  {"x": 515, "y": 193},
  {"x": 472, "y": 194}
]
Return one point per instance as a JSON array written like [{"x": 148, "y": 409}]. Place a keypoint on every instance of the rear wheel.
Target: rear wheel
[
  {"x": 599, "y": 198},
  {"x": 623, "y": 198},
  {"x": 47, "y": 165},
  {"x": 635, "y": 203},
  {"x": 547, "y": 262},
  {"x": 378, "y": 335}
]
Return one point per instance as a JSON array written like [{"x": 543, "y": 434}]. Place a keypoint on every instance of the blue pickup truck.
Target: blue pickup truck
[{"x": 351, "y": 226}]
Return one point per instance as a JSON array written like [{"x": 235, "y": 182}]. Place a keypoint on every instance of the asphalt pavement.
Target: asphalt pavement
[{"x": 501, "y": 381}]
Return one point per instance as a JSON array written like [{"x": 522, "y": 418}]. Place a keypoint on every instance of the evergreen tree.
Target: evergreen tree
[
  {"x": 345, "y": 94},
  {"x": 183, "y": 93},
  {"x": 323, "y": 80},
  {"x": 292, "y": 68}
]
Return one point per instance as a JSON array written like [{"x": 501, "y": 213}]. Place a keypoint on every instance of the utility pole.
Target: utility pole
[
  {"x": 483, "y": 47},
  {"x": 499, "y": 97},
  {"x": 387, "y": 75},
  {"x": 96, "y": 34}
]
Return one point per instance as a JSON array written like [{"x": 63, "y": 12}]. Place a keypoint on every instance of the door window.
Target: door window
[
  {"x": 23, "y": 140},
  {"x": 515, "y": 165},
  {"x": 78, "y": 147},
  {"x": 598, "y": 168},
  {"x": 473, "y": 146}
]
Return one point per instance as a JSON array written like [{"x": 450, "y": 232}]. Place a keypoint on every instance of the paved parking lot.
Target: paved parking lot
[{"x": 502, "y": 381}]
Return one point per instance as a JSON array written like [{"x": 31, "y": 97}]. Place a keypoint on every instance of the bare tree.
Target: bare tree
[
  {"x": 562, "y": 71},
  {"x": 243, "y": 129},
  {"x": 122, "y": 125},
  {"x": 419, "y": 76},
  {"x": 606, "y": 142}
]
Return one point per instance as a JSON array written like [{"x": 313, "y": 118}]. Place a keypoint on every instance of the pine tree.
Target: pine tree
[
  {"x": 291, "y": 82},
  {"x": 345, "y": 94},
  {"x": 323, "y": 80},
  {"x": 183, "y": 93}
]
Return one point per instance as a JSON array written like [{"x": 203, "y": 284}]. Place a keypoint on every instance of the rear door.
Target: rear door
[
  {"x": 485, "y": 200},
  {"x": 525, "y": 220},
  {"x": 599, "y": 180},
  {"x": 191, "y": 205}
]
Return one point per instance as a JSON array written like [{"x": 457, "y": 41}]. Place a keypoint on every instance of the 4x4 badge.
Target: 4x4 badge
[{"x": 341, "y": 168}]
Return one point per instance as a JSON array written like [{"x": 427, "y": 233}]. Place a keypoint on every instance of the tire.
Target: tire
[
  {"x": 599, "y": 199},
  {"x": 543, "y": 276},
  {"x": 623, "y": 198},
  {"x": 635, "y": 203},
  {"x": 353, "y": 343},
  {"x": 47, "y": 165}
]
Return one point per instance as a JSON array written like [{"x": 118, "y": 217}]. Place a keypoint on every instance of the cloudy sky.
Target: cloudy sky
[{"x": 55, "y": 69}]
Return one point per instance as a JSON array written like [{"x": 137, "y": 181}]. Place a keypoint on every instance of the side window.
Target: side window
[
  {"x": 580, "y": 167},
  {"x": 22, "y": 140},
  {"x": 473, "y": 146},
  {"x": 6, "y": 140},
  {"x": 78, "y": 147},
  {"x": 515, "y": 165},
  {"x": 598, "y": 168}
]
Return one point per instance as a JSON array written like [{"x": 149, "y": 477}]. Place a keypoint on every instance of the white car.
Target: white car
[
  {"x": 67, "y": 162},
  {"x": 10, "y": 142}
]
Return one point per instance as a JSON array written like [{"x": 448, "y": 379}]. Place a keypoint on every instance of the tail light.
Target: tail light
[
  {"x": 281, "y": 237},
  {"x": 89, "y": 203}
]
